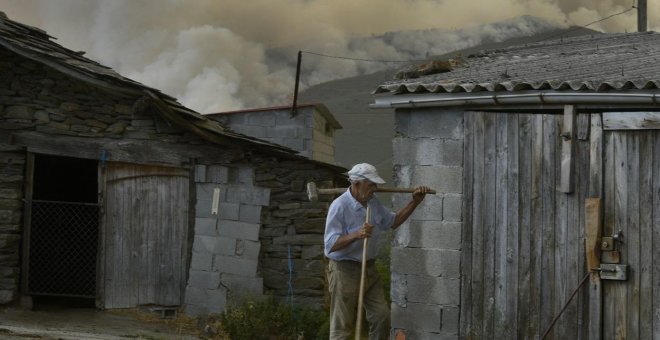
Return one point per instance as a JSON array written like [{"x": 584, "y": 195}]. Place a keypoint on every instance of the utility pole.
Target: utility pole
[
  {"x": 641, "y": 16},
  {"x": 294, "y": 107}
]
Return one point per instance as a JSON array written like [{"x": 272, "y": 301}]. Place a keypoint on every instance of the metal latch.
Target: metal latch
[{"x": 610, "y": 271}]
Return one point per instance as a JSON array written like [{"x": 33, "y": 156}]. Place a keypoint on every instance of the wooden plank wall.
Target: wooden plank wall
[
  {"x": 632, "y": 205},
  {"x": 145, "y": 235},
  {"x": 524, "y": 235}
]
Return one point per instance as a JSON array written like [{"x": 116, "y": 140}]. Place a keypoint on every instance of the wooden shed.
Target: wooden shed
[
  {"x": 548, "y": 160},
  {"x": 113, "y": 191}
]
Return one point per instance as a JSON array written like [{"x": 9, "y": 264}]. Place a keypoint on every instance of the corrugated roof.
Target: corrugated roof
[
  {"x": 586, "y": 63},
  {"x": 320, "y": 107}
]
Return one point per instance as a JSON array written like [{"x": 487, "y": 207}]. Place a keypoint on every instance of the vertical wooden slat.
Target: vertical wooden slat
[
  {"x": 631, "y": 235},
  {"x": 467, "y": 235},
  {"x": 512, "y": 254},
  {"x": 490, "y": 198},
  {"x": 579, "y": 310},
  {"x": 478, "y": 256},
  {"x": 595, "y": 305},
  {"x": 536, "y": 229},
  {"x": 646, "y": 208},
  {"x": 27, "y": 222},
  {"x": 565, "y": 176},
  {"x": 619, "y": 293},
  {"x": 525, "y": 250},
  {"x": 501, "y": 232},
  {"x": 548, "y": 295},
  {"x": 656, "y": 235},
  {"x": 608, "y": 225}
]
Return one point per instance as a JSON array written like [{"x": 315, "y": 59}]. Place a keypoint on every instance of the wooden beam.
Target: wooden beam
[
  {"x": 631, "y": 120},
  {"x": 568, "y": 135},
  {"x": 593, "y": 227}
]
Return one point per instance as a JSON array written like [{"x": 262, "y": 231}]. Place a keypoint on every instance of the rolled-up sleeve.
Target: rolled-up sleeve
[{"x": 333, "y": 227}]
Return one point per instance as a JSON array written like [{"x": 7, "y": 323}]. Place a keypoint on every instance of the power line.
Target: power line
[{"x": 362, "y": 59}]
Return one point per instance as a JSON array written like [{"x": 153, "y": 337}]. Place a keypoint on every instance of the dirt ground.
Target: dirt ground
[{"x": 46, "y": 322}]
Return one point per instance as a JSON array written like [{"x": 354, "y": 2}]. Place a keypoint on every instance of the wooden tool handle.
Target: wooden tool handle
[
  {"x": 363, "y": 278},
  {"x": 402, "y": 190}
]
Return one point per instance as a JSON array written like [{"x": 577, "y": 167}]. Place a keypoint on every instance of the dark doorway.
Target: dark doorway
[{"x": 63, "y": 233}]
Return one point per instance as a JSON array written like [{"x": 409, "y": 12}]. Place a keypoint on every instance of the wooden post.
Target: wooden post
[
  {"x": 567, "y": 146},
  {"x": 363, "y": 278},
  {"x": 641, "y": 16}
]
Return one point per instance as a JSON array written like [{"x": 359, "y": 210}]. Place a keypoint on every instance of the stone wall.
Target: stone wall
[
  {"x": 12, "y": 170},
  {"x": 292, "y": 231},
  {"x": 428, "y": 150}
]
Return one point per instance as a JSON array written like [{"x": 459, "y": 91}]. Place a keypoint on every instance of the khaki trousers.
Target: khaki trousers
[{"x": 344, "y": 280}]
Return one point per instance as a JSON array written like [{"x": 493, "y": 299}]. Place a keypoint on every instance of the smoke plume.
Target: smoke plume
[{"x": 231, "y": 54}]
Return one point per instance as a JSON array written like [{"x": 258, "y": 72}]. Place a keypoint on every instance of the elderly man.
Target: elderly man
[{"x": 345, "y": 230}]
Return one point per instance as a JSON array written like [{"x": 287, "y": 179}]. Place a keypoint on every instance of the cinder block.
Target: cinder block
[
  {"x": 450, "y": 322},
  {"x": 433, "y": 290},
  {"x": 196, "y": 310},
  {"x": 250, "y": 213},
  {"x": 214, "y": 245},
  {"x": 417, "y": 316},
  {"x": 430, "y": 123},
  {"x": 205, "y": 191},
  {"x": 452, "y": 208},
  {"x": 254, "y": 195},
  {"x": 401, "y": 236},
  {"x": 247, "y": 249},
  {"x": 217, "y": 300},
  {"x": 196, "y": 296},
  {"x": 435, "y": 235},
  {"x": 251, "y": 130},
  {"x": 228, "y": 211},
  {"x": 444, "y": 179},
  {"x": 239, "y": 230},
  {"x": 237, "y": 266},
  {"x": 203, "y": 209},
  {"x": 200, "y": 173},
  {"x": 217, "y": 174},
  {"x": 266, "y": 119},
  {"x": 284, "y": 118},
  {"x": 282, "y": 131},
  {"x": 398, "y": 289},
  {"x": 201, "y": 261},
  {"x": 432, "y": 262},
  {"x": 427, "y": 151},
  {"x": 205, "y": 226},
  {"x": 204, "y": 279},
  {"x": 293, "y": 143},
  {"x": 430, "y": 209}
]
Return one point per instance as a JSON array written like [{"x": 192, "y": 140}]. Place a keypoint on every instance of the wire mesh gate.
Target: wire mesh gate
[{"x": 62, "y": 249}]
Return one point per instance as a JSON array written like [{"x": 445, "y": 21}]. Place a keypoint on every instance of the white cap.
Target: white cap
[{"x": 365, "y": 171}]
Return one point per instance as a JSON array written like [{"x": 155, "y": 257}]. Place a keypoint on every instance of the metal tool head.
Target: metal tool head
[{"x": 312, "y": 192}]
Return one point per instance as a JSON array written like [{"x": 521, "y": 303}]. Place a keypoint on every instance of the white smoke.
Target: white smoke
[{"x": 230, "y": 54}]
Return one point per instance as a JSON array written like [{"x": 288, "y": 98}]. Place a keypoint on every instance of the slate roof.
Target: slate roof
[
  {"x": 36, "y": 44},
  {"x": 601, "y": 62}
]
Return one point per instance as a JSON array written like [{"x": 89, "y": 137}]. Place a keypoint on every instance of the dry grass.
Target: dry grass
[{"x": 180, "y": 325}]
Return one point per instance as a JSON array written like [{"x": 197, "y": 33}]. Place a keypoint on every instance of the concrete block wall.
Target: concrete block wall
[
  {"x": 226, "y": 246},
  {"x": 426, "y": 252},
  {"x": 275, "y": 126}
]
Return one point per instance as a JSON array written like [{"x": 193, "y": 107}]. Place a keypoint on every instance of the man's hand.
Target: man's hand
[
  {"x": 419, "y": 193},
  {"x": 365, "y": 231}
]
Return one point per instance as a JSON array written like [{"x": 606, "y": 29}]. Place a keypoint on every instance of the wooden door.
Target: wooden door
[
  {"x": 145, "y": 234},
  {"x": 523, "y": 251},
  {"x": 631, "y": 308}
]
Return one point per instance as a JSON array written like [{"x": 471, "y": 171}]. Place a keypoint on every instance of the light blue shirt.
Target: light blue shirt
[{"x": 347, "y": 215}]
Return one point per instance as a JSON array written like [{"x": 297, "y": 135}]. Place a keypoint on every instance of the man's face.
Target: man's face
[{"x": 365, "y": 190}]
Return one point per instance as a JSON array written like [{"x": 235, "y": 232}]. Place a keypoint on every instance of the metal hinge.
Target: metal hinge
[{"x": 610, "y": 271}]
